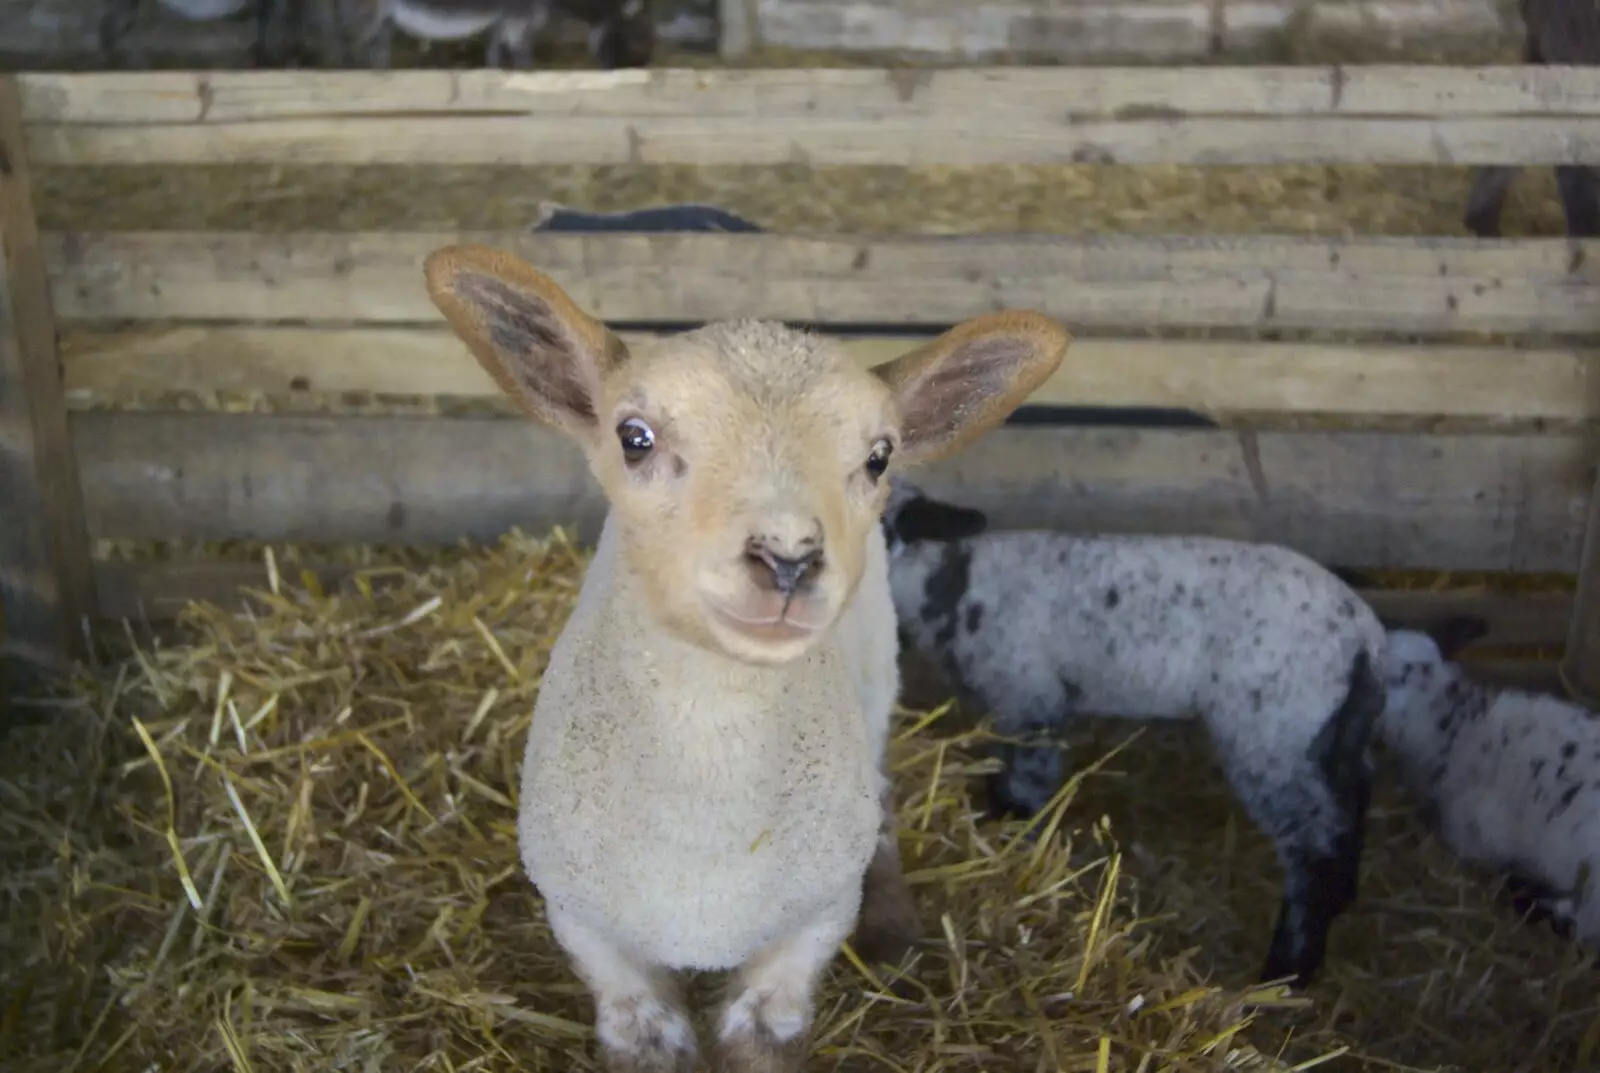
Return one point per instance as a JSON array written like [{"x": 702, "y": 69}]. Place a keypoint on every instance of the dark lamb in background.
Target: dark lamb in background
[
  {"x": 1278, "y": 658},
  {"x": 1562, "y": 32},
  {"x": 621, "y": 32},
  {"x": 687, "y": 216},
  {"x": 699, "y": 217},
  {"x": 279, "y": 25}
]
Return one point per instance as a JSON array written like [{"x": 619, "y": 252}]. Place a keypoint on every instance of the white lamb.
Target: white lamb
[
  {"x": 1276, "y": 655},
  {"x": 1509, "y": 778},
  {"x": 703, "y": 786}
]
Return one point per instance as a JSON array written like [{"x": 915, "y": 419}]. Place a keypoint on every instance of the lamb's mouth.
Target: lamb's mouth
[{"x": 791, "y": 623}]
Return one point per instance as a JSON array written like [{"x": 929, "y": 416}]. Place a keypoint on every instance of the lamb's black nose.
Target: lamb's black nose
[{"x": 783, "y": 573}]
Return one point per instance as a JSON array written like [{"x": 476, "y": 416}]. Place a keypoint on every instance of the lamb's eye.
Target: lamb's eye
[
  {"x": 878, "y": 460},
  {"x": 637, "y": 440}
]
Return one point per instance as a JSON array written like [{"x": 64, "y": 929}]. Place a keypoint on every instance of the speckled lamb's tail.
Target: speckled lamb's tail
[{"x": 1349, "y": 732}]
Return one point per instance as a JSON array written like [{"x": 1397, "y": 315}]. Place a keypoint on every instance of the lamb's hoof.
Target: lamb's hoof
[
  {"x": 645, "y": 1035},
  {"x": 761, "y": 1032},
  {"x": 1000, "y": 803},
  {"x": 759, "y": 1052},
  {"x": 1481, "y": 226},
  {"x": 1279, "y": 972},
  {"x": 885, "y": 941},
  {"x": 1294, "y": 957},
  {"x": 888, "y": 927},
  {"x": 657, "y": 1060}
]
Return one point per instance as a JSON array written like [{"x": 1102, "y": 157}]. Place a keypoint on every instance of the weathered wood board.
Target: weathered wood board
[
  {"x": 1473, "y": 502},
  {"x": 1420, "y": 285},
  {"x": 46, "y": 585},
  {"x": 1203, "y": 115},
  {"x": 1561, "y": 384}
]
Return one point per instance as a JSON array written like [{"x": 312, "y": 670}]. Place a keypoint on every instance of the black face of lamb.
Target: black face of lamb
[
  {"x": 922, "y": 518},
  {"x": 942, "y": 593},
  {"x": 1031, "y": 771},
  {"x": 1320, "y": 872}
]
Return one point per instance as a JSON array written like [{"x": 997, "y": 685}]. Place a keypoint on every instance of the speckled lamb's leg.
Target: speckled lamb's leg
[
  {"x": 375, "y": 46},
  {"x": 1489, "y": 190},
  {"x": 116, "y": 20},
  {"x": 1580, "y": 200},
  {"x": 887, "y": 926},
  {"x": 1032, "y": 767},
  {"x": 1314, "y": 808},
  {"x": 640, "y": 1017},
  {"x": 1487, "y": 198},
  {"x": 765, "y": 1021},
  {"x": 279, "y": 24},
  {"x": 1029, "y": 779}
]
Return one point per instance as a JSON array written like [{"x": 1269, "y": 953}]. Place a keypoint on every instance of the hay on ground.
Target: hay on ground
[{"x": 288, "y": 843}]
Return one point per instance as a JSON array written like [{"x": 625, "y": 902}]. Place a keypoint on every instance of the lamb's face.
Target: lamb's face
[
  {"x": 911, "y": 517},
  {"x": 1417, "y": 679},
  {"x": 917, "y": 529},
  {"x": 744, "y": 462}
]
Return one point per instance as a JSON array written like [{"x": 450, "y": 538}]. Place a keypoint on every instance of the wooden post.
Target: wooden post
[
  {"x": 46, "y": 575},
  {"x": 1580, "y": 664}
]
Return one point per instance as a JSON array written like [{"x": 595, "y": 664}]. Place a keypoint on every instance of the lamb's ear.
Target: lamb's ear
[
  {"x": 957, "y": 387},
  {"x": 539, "y": 347},
  {"x": 1456, "y": 632},
  {"x": 928, "y": 519}
]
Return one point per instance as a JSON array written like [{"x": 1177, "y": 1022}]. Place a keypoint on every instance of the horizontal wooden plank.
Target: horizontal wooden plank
[
  {"x": 1387, "y": 114},
  {"x": 157, "y": 591},
  {"x": 1211, "y": 377},
  {"x": 1395, "y": 90},
  {"x": 1399, "y": 284},
  {"x": 1486, "y": 502},
  {"x": 715, "y": 142}
]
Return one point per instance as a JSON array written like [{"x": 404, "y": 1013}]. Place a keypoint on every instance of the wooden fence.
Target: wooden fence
[{"x": 343, "y": 312}]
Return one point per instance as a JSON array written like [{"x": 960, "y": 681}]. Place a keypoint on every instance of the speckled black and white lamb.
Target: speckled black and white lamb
[
  {"x": 1276, "y": 655},
  {"x": 1510, "y": 779}
]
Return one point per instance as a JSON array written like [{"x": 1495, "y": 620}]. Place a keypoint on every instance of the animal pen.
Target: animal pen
[{"x": 1403, "y": 406}]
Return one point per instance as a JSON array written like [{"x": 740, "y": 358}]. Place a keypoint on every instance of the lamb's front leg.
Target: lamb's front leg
[
  {"x": 640, "y": 1017},
  {"x": 887, "y": 927},
  {"x": 765, "y": 1021}
]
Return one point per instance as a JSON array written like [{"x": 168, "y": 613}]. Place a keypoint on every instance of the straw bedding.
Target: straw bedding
[
  {"x": 284, "y": 840},
  {"x": 288, "y": 843}
]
